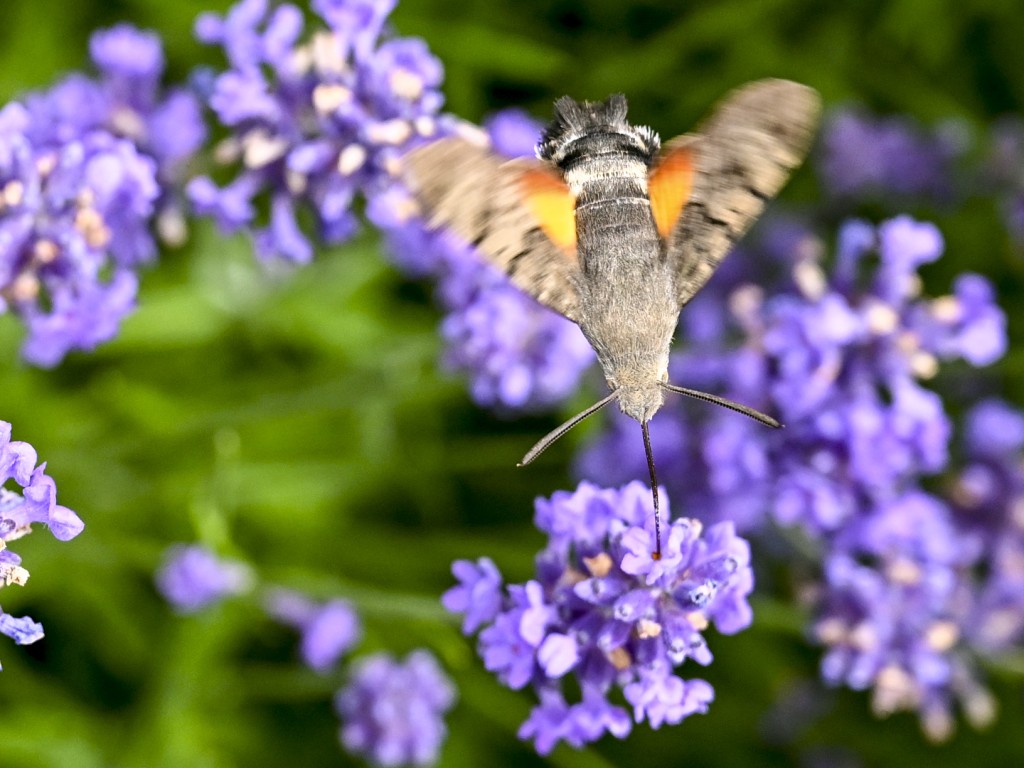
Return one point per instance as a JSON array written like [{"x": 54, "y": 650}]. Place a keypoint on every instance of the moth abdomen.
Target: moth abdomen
[
  {"x": 598, "y": 191},
  {"x": 619, "y": 229}
]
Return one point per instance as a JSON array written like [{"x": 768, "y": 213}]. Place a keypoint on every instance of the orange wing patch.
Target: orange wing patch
[
  {"x": 670, "y": 183},
  {"x": 553, "y": 206}
]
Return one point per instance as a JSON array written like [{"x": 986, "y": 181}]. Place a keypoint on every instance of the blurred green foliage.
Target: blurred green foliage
[{"x": 300, "y": 422}]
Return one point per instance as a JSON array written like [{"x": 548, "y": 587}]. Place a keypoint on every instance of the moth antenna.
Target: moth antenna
[
  {"x": 552, "y": 436},
  {"x": 746, "y": 410},
  {"x": 656, "y": 554}
]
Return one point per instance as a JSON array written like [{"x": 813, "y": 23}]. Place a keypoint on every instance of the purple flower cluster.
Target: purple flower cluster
[
  {"x": 392, "y": 712},
  {"x": 86, "y": 169},
  {"x": 315, "y": 122},
  {"x": 890, "y": 615},
  {"x": 517, "y": 354},
  {"x": 988, "y": 502},
  {"x": 1002, "y": 176},
  {"x": 192, "y": 578},
  {"x": 840, "y": 356},
  {"x": 865, "y": 156},
  {"x": 603, "y": 609},
  {"x": 919, "y": 589},
  {"x": 312, "y": 122},
  {"x": 34, "y": 502},
  {"x": 126, "y": 100},
  {"x": 326, "y": 630}
]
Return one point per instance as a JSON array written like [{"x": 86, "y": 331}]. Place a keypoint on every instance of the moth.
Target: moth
[{"x": 616, "y": 232}]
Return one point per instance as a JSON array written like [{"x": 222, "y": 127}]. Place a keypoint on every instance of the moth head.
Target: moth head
[
  {"x": 641, "y": 403},
  {"x": 637, "y": 375},
  {"x": 577, "y": 121}
]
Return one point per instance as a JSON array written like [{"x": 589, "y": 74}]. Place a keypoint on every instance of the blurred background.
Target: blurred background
[{"x": 300, "y": 423}]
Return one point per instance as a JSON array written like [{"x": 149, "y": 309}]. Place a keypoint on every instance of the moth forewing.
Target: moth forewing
[
  {"x": 749, "y": 146},
  {"x": 479, "y": 195}
]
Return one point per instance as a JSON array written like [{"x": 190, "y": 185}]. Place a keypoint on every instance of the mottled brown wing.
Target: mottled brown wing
[
  {"x": 745, "y": 152},
  {"x": 506, "y": 209}
]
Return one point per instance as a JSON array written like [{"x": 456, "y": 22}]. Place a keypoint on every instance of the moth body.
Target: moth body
[
  {"x": 627, "y": 305},
  {"x": 617, "y": 233}
]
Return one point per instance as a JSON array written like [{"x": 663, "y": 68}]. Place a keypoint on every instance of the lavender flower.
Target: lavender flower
[
  {"x": 87, "y": 172},
  {"x": 68, "y": 214},
  {"x": 513, "y": 132},
  {"x": 315, "y": 124},
  {"x": 846, "y": 367},
  {"x": 519, "y": 355},
  {"x": 392, "y": 712},
  {"x": 988, "y": 498},
  {"x": 35, "y": 502},
  {"x": 330, "y": 124},
  {"x": 327, "y": 630},
  {"x": 603, "y": 610},
  {"x": 192, "y": 578},
  {"x": 478, "y": 595},
  {"x": 127, "y": 101},
  {"x": 840, "y": 355},
  {"x": 312, "y": 123},
  {"x": 891, "y": 613},
  {"x": 1001, "y": 173},
  {"x": 867, "y": 156},
  {"x": 22, "y": 631},
  {"x": 848, "y": 362}
]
